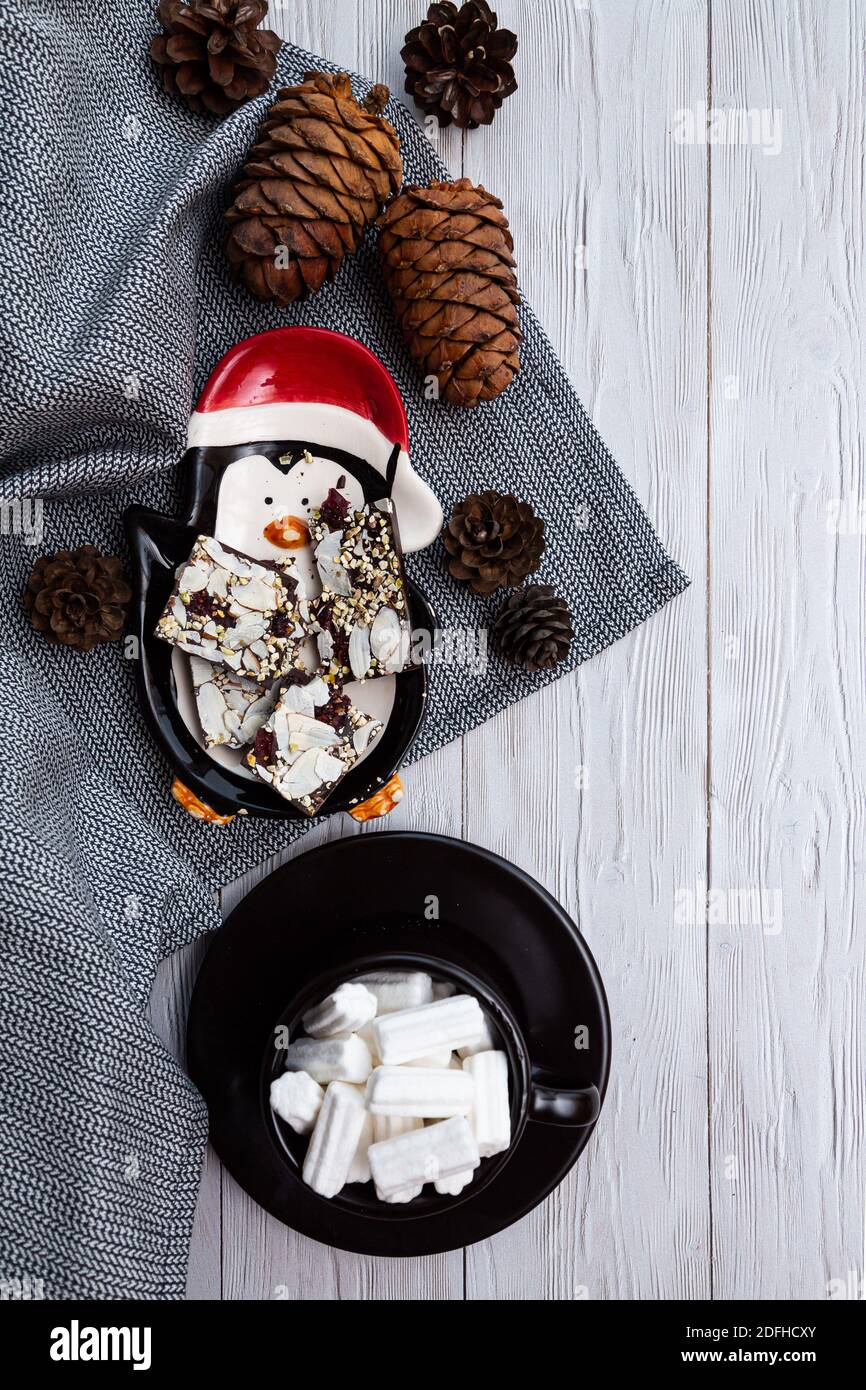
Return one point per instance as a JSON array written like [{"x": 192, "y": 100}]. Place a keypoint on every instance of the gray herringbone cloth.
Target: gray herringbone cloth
[{"x": 116, "y": 306}]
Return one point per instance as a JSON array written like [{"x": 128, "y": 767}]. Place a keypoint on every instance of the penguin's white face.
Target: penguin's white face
[
  {"x": 419, "y": 514},
  {"x": 265, "y": 512}
]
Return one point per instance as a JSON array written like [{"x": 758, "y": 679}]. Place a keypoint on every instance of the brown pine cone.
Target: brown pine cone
[
  {"x": 213, "y": 54},
  {"x": 447, "y": 260},
  {"x": 458, "y": 64},
  {"x": 78, "y": 597},
  {"x": 494, "y": 542},
  {"x": 534, "y": 628},
  {"x": 321, "y": 171}
]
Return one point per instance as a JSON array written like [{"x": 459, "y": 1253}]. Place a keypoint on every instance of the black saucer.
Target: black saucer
[{"x": 373, "y": 895}]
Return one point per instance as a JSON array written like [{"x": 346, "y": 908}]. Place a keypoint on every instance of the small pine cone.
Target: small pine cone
[
  {"x": 458, "y": 64},
  {"x": 78, "y": 597},
  {"x": 534, "y": 628},
  {"x": 212, "y": 54},
  {"x": 322, "y": 169},
  {"x": 493, "y": 542}
]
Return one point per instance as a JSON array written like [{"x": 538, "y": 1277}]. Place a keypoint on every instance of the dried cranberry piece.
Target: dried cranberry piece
[
  {"x": 340, "y": 656},
  {"x": 325, "y": 618},
  {"x": 201, "y": 604},
  {"x": 335, "y": 712},
  {"x": 265, "y": 747},
  {"x": 335, "y": 510},
  {"x": 280, "y": 625}
]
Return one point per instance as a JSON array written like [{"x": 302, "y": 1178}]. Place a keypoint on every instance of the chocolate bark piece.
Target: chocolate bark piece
[
  {"x": 235, "y": 612},
  {"x": 230, "y": 710},
  {"x": 313, "y": 738},
  {"x": 362, "y": 620}
]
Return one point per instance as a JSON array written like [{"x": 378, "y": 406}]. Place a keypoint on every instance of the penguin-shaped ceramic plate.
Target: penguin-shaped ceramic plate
[{"x": 285, "y": 417}]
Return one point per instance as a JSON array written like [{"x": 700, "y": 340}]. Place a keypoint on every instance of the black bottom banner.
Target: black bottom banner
[{"x": 226, "y": 1338}]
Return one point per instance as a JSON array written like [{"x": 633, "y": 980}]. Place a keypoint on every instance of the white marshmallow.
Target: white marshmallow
[
  {"x": 438, "y": 1059},
  {"x": 484, "y": 1044},
  {"x": 426, "y": 1094},
  {"x": 412, "y": 1033},
  {"x": 396, "y": 989},
  {"x": 297, "y": 1099},
  {"x": 344, "y": 1011},
  {"x": 389, "y": 1126},
  {"x": 331, "y": 1059},
  {"x": 359, "y": 1169},
  {"x": 367, "y": 1034},
  {"x": 425, "y": 1155},
  {"x": 490, "y": 1116},
  {"x": 334, "y": 1141},
  {"x": 407, "y": 1194},
  {"x": 452, "y": 1187}
]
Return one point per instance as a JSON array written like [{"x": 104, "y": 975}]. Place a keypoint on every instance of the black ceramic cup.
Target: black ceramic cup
[{"x": 535, "y": 1097}]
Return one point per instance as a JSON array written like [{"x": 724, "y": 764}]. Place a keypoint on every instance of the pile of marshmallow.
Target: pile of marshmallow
[{"x": 399, "y": 1082}]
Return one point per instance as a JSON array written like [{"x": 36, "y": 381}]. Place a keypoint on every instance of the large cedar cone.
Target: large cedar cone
[
  {"x": 493, "y": 542},
  {"x": 534, "y": 628},
  {"x": 448, "y": 264},
  {"x": 458, "y": 64},
  {"x": 78, "y": 597},
  {"x": 321, "y": 171},
  {"x": 213, "y": 54}
]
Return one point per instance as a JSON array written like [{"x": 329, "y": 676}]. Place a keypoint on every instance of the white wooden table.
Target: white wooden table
[{"x": 708, "y": 300}]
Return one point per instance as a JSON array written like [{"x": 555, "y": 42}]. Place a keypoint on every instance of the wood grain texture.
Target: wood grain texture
[
  {"x": 170, "y": 998},
  {"x": 787, "y": 603},
  {"x": 722, "y": 743},
  {"x": 612, "y": 257}
]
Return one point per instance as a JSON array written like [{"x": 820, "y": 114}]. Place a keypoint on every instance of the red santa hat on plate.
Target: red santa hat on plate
[{"x": 314, "y": 385}]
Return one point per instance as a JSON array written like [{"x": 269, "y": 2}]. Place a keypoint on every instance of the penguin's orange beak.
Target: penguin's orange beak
[{"x": 289, "y": 533}]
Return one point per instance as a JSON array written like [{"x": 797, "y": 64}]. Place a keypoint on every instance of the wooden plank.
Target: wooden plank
[
  {"x": 610, "y": 225},
  {"x": 170, "y": 998},
  {"x": 329, "y": 29},
  {"x": 789, "y": 723}
]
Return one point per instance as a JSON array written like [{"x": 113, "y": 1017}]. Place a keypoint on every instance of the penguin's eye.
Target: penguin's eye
[{"x": 269, "y": 501}]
